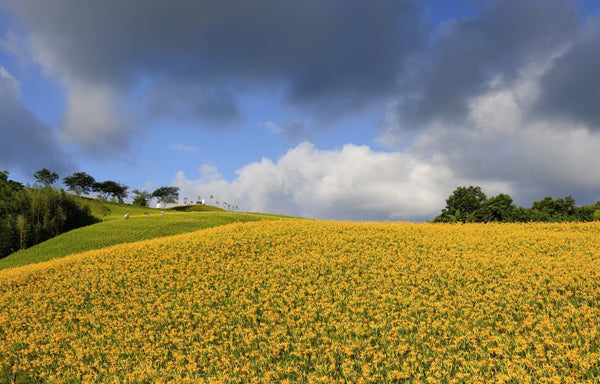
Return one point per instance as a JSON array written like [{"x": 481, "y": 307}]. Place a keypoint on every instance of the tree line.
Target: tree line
[
  {"x": 82, "y": 183},
  {"x": 471, "y": 205},
  {"x": 30, "y": 215}
]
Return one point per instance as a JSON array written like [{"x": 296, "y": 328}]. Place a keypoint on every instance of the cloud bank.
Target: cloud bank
[
  {"x": 499, "y": 144},
  {"x": 351, "y": 183},
  {"x": 188, "y": 59},
  {"x": 505, "y": 98}
]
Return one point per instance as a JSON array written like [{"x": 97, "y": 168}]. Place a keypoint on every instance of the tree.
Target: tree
[
  {"x": 462, "y": 205},
  {"x": 112, "y": 188},
  {"x": 31, "y": 215},
  {"x": 141, "y": 198},
  {"x": 46, "y": 177},
  {"x": 166, "y": 195},
  {"x": 498, "y": 208},
  {"x": 13, "y": 196},
  {"x": 14, "y": 203},
  {"x": 555, "y": 210},
  {"x": 80, "y": 182}
]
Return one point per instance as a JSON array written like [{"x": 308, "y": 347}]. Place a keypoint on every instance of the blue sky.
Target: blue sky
[{"x": 335, "y": 109}]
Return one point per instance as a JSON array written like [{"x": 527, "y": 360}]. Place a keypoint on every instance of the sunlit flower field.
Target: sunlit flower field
[{"x": 302, "y": 301}]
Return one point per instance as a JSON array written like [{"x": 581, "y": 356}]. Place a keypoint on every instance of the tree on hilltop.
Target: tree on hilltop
[
  {"x": 46, "y": 177},
  {"x": 166, "y": 195},
  {"x": 111, "y": 188},
  {"x": 141, "y": 197},
  {"x": 80, "y": 182}
]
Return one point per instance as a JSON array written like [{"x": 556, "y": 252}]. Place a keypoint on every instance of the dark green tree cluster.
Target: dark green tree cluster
[
  {"x": 82, "y": 183},
  {"x": 471, "y": 205},
  {"x": 166, "y": 195},
  {"x": 111, "y": 190},
  {"x": 141, "y": 197},
  {"x": 31, "y": 215}
]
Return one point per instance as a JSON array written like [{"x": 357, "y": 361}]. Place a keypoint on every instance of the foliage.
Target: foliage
[
  {"x": 13, "y": 198},
  {"x": 45, "y": 177},
  {"x": 497, "y": 208},
  {"x": 141, "y": 197},
  {"x": 469, "y": 204},
  {"x": 311, "y": 301},
  {"x": 166, "y": 195},
  {"x": 30, "y": 216},
  {"x": 111, "y": 189},
  {"x": 559, "y": 208},
  {"x": 80, "y": 183},
  {"x": 14, "y": 203},
  {"x": 463, "y": 205}
]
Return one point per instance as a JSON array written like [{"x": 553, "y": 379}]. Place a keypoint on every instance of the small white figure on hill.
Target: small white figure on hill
[
  {"x": 126, "y": 216},
  {"x": 203, "y": 203},
  {"x": 162, "y": 213}
]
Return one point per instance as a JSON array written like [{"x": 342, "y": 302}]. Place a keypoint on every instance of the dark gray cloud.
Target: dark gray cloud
[
  {"x": 512, "y": 94},
  {"x": 214, "y": 105},
  {"x": 571, "y": 88},
  {"x": 467, "y": 54},
  {"x": 26, "y": 143},
  {"x": 330, "y": 56}
]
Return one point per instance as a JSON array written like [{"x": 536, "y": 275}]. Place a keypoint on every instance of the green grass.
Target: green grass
[
  {"x": 115, "y": 230},
  {"x": 117, "y": 211},
  {"x": 197, "y": 208}
]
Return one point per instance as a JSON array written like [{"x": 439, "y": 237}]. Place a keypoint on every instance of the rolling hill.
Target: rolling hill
[
  {"x": 306, "y": 301},
  {"x": 143, "y": 223}
]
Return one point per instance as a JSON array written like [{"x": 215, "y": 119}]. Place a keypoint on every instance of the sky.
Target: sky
[{"x": 329, "y": 109}]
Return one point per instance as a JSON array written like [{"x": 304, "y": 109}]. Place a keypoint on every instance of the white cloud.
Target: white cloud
[{"x": 351, "y": 183}]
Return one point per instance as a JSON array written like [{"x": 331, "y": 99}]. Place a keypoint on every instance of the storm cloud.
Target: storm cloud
[
  {"x": 468, "y": 55},
  {"x": 508, "y": 95},
  {"x": 570, "y": 90},
  {"x": 325, "y": 57}
]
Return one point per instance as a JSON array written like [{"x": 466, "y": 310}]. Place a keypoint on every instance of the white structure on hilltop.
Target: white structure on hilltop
[{"x": 160, "y": 205}]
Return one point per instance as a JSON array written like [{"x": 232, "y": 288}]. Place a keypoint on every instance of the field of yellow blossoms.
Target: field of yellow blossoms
[{"x": 302, "y": 301}]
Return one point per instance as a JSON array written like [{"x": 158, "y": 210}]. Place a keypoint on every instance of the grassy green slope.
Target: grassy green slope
[
  {"x": 116, "y": 230},
  {"x": 117, "y": 211},
  {"x": 197, "y": 208}
]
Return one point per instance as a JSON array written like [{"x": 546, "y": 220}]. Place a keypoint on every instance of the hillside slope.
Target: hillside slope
[
  {"x": 143, "y": 224},
  {"x": 312, "y": 301}
]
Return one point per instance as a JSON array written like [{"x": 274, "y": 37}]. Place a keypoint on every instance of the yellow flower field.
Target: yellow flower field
[{"x": 301, "y": 301}]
